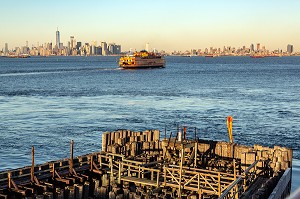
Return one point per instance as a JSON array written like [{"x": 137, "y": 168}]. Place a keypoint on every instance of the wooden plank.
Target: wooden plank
[{"x": 139, "y": 180}]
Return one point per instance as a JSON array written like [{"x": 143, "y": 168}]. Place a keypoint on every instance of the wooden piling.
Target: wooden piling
[
  {"x": 32, "y": 165},
  {"x": 71, "y": 157}
]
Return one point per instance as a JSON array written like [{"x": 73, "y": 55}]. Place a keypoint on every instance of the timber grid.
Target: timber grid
[{"x": 142, "y": 165}]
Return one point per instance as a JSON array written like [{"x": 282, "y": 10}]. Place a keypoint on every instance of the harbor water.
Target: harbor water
[{"x": 47, "y": 101}]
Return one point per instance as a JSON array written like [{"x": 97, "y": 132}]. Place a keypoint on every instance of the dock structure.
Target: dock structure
[{"x": 141, "y": 165}]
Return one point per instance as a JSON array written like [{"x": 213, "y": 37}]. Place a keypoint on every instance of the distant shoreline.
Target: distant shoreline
[{"x": 267, "y": 56}]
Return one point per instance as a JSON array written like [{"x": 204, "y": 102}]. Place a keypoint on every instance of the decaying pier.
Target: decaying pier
[{"x": 136, "y": 165}]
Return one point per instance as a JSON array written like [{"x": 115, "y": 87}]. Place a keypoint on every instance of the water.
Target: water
[{"x": 46, "y": 102}]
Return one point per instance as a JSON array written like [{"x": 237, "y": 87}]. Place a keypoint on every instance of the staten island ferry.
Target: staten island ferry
[{"x": 142, "y": 59}]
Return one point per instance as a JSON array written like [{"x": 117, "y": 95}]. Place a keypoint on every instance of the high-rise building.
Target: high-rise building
[
  {"x": 104, "y": 48},
  {"x": 24, "y": 50},
  {"x": 252, "y": 47},
  {"x": 6, "y": 48},
  {"x": 99, "y": 50},
  {"x": 72, "y": 45},
  {"x": 257, "y": 46},
  {"x": 147, "y": 47},
  {"x": 78, "y": 45},
  {"x": 111, "y": 48},
  {"x": 290, "y": 48},
  {"x": 57, "y": 38},
  {"x": 118, "y": 49}
]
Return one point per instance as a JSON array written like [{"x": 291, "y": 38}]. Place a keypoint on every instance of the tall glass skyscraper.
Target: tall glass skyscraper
[{"x": 57, "y": 38}]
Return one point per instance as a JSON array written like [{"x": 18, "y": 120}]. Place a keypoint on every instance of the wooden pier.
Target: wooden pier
[{"x": 135, "y": 165}]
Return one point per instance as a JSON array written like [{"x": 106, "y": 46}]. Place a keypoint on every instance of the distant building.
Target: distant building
[
  {"x": 6, "y": 48},
  {"x": 206, "y": 51},
  {"x": 49, "y": 46},
  {"x": 118, "y": 49},
  {"x": 24, "y": 50},
  {"x": 147, "y": 47},
  {"x": 93, "y": 48},
  {"x": 78, "y": 45},
  {"x": 252, "y": 47},
  {"x": 110, "y": 49},
  {"x": 104, "y": 48},
  {"x": 258, "y": 46},
  {"x": 72, "y": 44},
  {"x": 290, "y": 48},
  {"x": 57, "y": 38},
  {"x": 99, "y": 50}
]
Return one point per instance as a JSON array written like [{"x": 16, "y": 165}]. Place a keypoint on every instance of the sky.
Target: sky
[{"x": 165, "y": 24}]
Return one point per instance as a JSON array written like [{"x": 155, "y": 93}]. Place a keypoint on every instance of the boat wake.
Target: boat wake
[{"x": 41, "y": 72}]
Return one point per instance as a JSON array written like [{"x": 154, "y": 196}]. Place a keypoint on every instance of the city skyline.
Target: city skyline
[
  {"x": 168, "y": 25},
  {"x": 75, "y": 48}
]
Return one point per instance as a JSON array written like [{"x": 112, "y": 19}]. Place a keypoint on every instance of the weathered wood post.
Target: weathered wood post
[
  {"x": 91, "y": 163},
  {"x": 32, "y": 165},
  {"x": 71, "y": 157},
  {"x": 196, "y": 153},
  {"x": 9, "y": 179},
  {"x": 180, "y": 171},
  {"x": 111, "y": 169},
  {"x": 119, "y": 174},
  {"x": 219, "y": 184}
]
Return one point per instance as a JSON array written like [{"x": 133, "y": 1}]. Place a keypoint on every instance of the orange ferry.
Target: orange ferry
[{"x": 142, "y": 59}]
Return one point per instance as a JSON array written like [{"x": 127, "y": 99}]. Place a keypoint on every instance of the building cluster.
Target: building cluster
[
  {"x": 76, "y": 48},
  {"x": 242, "y": 51},
  {"x": 73, "y": 48}
]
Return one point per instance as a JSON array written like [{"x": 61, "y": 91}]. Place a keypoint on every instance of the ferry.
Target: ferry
[
  {"x": 211, "y": 55},
  {"x": 142, "y": 59},
  {"x": 257, "y": 56},
  {"x": 18, "y": 56}
]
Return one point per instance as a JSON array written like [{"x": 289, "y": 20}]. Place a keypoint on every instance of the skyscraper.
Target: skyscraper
[
  {"x": 72, "y": 45},
  {"x": 78, "y": 45},
  {"x": 290, "y": 48},
  {"x": 257, "y": 46},
  {"x": 6, "y": 48},
  {"x": 252, "y": 47},
  {"x": 147, "y": 47},
  {"x": 104, "y": 48},
  {"x": 57, "y": 38}
]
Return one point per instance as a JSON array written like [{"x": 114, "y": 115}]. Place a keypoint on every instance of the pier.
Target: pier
[{"x": 138, "y": 165}]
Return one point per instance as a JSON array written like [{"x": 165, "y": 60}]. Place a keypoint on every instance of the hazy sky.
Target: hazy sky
[{"x": 165, "y": 24}]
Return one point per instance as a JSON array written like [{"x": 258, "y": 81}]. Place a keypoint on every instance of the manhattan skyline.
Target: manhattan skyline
[{"x": 166, "y": 25}]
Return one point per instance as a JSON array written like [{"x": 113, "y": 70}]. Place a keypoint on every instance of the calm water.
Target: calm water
[{"x": 46, "y": 102}]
